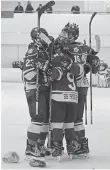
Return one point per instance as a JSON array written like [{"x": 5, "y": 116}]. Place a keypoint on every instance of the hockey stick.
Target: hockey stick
[
  {"x": 93, "y": 15},
  {"x": 49, "y": 134},
  {"x": 40, "y": 12},
  {"x": 86, "y": 111},
  {"x": 85, "y": 104},
  {"x": 97, "y": 38}
]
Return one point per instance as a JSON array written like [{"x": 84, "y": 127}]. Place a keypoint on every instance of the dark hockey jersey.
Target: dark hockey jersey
[
  {"x": 79, "y": 53},
  {"x": 64, "y": 88},
  {"x": 29, "y": 70}
]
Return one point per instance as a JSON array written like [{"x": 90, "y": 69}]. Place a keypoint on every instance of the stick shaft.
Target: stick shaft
[{"x": 91, "y": 114}]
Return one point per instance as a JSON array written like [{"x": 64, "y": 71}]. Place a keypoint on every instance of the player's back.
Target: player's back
[
  {"x": 65, "y": 90},
  {"x": 77, "y": 51}
]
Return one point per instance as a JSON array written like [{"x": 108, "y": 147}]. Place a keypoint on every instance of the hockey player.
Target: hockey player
[
  {"x": 86, "y": 58},
  {"x": 64, "y": 101},
  {"x": 37, "y": 56},
  {"x": 103, "y": 75}
]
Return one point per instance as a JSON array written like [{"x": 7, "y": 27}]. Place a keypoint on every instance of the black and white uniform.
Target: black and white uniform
[{"x": 39, "y": 120}]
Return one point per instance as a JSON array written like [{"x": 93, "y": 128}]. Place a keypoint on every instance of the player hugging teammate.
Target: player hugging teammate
[
  {"x": 85, "y": 58},
  {"x": 62, "y": 92}
]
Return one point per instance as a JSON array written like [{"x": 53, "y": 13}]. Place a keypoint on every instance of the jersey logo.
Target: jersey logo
[
  {"x": 30, "y": 51},
  {"x": 75, "y": 49}
]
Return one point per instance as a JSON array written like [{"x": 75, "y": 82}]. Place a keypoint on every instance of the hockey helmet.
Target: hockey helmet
[
  {"x": 34, "y": 35},
  {"x": 30, "y": 45},
  {"x": 35, "y": 31},
  {"x": 70, "y": 32}
]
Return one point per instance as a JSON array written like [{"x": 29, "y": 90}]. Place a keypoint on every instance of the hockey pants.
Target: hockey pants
[{"x": 38, "y": 128}]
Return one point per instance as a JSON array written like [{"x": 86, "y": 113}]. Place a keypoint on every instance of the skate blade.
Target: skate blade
[
  {"x": 29, "y": 158},
  {"x": 63, "y": 152},
  {"x": 71, "y": 157},
  {"x": 58, "y": 158},
  {"x": 81, "y": 156}
]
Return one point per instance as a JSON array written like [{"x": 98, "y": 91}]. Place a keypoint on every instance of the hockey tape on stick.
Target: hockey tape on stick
[
  {"x": 45, "y": 38},
  {"x": 97, "y": 38}
]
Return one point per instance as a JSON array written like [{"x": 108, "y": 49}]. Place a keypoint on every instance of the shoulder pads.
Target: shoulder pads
[{"x": 31, "y": 52}]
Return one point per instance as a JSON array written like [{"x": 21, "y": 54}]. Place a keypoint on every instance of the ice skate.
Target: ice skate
[
  {"x": 47, "y": 151},
  {"x": 36, "y": 152},
  {"x": 50, "y": 146},
  {"x": 57, "y": 151},
  {"x": 72, "y": 146},
  {"x": 83, "y": 151},
  {"x": 37, "y": 163}
]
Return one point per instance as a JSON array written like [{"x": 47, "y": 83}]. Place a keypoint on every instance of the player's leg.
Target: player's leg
[
  {"x": 70, "y": 136},
  {"x": 44, "y": 110},
  {"x": 79, "y": 126},
  {"x": 33, "y": 131},
  {"x": 57, "y": 121}
]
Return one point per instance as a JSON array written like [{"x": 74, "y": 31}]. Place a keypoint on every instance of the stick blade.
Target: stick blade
[
  {"x": 50, "y": 4},
  {"x": 45, "y": 7},
  {"x": 93, "y": 15}
]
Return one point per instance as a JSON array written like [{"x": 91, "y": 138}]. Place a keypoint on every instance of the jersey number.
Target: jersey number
[
  {"x": 70, "y": 78},
  {"x": 29, "y": 62}
]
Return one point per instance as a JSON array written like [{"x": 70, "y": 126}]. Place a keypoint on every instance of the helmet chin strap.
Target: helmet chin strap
[{"x": 72, "y": 40}]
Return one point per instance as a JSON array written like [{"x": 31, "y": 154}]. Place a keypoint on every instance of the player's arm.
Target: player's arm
[
  {"x": 92, "y": 60},
  {"x": 18, "y": 64},
  {"x": 29, "y": 70}
]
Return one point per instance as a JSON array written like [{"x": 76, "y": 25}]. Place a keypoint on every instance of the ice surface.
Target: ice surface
[{"x": 15, "y": 120}]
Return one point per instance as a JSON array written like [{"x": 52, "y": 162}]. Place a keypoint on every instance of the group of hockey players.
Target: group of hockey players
[{"x": 60, "y": 65}]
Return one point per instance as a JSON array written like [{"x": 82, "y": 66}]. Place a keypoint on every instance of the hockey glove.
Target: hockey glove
[
  {"x": 11, "y": 157},
  {"x": 43, "y": 65},
  {"x": 63, "y": 61},
  {"x": 87, "y": 68},
  {"x": 55, "y": 73},
  {"x": 18, "y": 64},
  {"x": 75, "y": 69},
  {"x": 42, "y": 61}
]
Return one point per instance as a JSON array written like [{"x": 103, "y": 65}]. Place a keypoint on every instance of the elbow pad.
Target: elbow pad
[
  {"x": 75, "y": 69},
  {"x": 56, "y": 73}
]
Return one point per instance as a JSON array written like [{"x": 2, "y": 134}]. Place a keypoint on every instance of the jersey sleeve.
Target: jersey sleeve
[{"x": 29, "y": 70}]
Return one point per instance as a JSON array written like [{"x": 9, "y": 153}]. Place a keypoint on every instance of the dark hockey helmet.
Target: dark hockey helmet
[
  {"x": 34, "y": 32},
  {"x": 70, "y": 32},
  {"x": 34, "y": 35},
  {"x": 31, "y": 45}
]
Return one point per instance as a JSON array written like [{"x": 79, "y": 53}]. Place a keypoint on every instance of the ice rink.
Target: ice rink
[{"x": 15, "y": 120}]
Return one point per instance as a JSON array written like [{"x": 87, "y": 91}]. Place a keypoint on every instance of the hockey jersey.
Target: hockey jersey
[
  {"x": 64, "y": 88},
  {"x": 80, "y": 53},
  {"x": 29, "y": 71}
]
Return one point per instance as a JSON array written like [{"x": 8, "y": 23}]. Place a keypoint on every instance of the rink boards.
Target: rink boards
[{"x": 15, "y": 75}]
